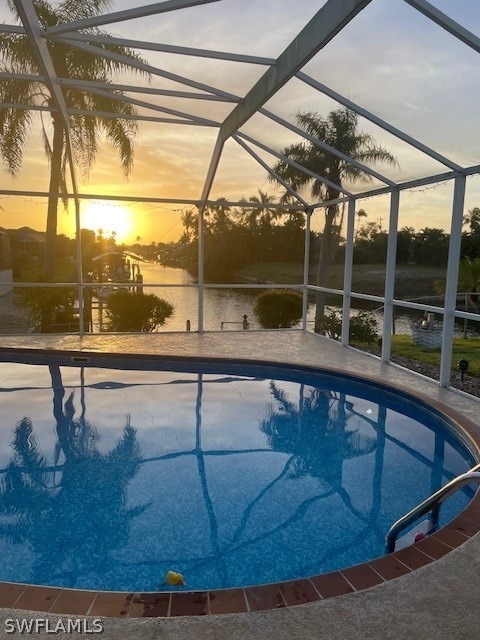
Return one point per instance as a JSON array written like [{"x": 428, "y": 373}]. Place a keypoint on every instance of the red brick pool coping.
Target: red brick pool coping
[
  {"x": 100, "y": 604},
  {"x": 271, "y": 596}
]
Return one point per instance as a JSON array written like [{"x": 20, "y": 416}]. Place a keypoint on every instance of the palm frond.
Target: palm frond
[
  {"x": 16, "y": 54},
  {"x": 339, "y": 130},
  {"x": 74, "y": 10},
  {"x": 46, "y": 144},
  {"x": 63, "y": 181},
  {"x": 14, "y": 125}
]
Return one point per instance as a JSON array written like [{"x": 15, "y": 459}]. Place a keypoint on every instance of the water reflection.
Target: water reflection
[
  {"x": 60, "y": 513},
  {"x": 321, "y": 433},
  {"x": 273, "y": 479}
]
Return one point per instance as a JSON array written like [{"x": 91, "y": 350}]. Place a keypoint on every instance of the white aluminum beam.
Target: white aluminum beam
[
  {"x": 212, "y": 169},
  {"x": 328, "y": 203},
  {"x": 306, "y": 267},
  {"x": 26, "y": 107},
  {"x": 258, "y": 205},
  {"x": 33, "y": 29},
  {"x": 446, "y": 23},
  {"x": 113, "y": 86},
  {"x": 129, "y": 14},
  {"x": 154, "y": 107},
  {"x": 91, "y": 84},
  {"x": 323, "y": 145},
  {"x": 182, "y": 118},
  {"x": 325, "y": 24},
  {"x": 22, "y": 77},
  {"x": 292, "y": 163},
  {"x": 176, "y": 201},
  {"x": 450, "y": 302},
  {"x": 347, "y": 272},
  {"x": 149, "y": 69},
  {"x": 12, "y": 28},
  {"x": 390, "y": 275},
  {"x": 270, "y": 170},
  {"x": 168, "y": 48},
  {"x": 142, "y": 118},
  {"x": 402, "y": 186},
  {"x": 378, "y": 121}
]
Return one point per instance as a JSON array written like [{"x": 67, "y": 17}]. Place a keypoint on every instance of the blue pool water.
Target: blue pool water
[{"x": 232, "y": 475}]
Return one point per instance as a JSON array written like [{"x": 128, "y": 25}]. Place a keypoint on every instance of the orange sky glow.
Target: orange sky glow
[{"x": 405, "y": 86}]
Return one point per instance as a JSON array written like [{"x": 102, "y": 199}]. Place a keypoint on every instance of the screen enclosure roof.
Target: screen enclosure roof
[{"x": 215, "y": 88}]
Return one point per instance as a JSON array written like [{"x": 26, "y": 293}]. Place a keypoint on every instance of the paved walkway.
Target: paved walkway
[{"x": 439, "y": 601}]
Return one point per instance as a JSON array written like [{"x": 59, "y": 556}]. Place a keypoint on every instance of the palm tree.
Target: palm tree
[
  {"x": 361, "y": 213},
  {"x": 339, "y": 130},
  {"x": 431, "y": 246},
  {"x": 259, "y": 214},
  {"x": 16, "y": 57},
  {"x": 473, "y": 220},
  {"x": 221, "y": 222},
  {"x": 468, "y": 282},
  {"x": 190, "y": 222}
]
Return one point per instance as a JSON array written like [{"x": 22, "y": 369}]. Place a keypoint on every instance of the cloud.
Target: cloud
[{"x": 390, "y": 59}]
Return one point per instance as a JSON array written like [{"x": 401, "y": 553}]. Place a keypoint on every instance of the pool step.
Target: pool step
[{"x": 406, "y": 540}]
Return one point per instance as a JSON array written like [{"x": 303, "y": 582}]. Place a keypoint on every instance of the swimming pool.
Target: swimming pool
[{"x": 231, "y": 474}]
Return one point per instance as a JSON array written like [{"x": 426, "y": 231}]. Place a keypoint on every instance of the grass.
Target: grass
[
  {"x": 277, "y": 272},
  {"x": 411, "y": 281},
  {"x": 463, "y": 349}
]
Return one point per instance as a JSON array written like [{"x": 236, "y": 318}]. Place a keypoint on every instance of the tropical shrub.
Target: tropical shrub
[
  {"x": 330, "y": 324},
  {"x": 278, "y": 308},
  {"x": 363, "y": 326},
  {"x": 468, "y": 282},
  {"x": 41, "y": 304},
  {"x": 128, "y": 311}
]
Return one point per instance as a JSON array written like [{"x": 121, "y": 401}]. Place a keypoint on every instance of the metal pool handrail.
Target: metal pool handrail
[{"x": 430, "y": 504}]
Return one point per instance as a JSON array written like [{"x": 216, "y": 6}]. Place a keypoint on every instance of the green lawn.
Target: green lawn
[
  {"x": 411, "y": 280},
  {"x": 463, "y": 349},
  {"x": 278, "y": 272}
]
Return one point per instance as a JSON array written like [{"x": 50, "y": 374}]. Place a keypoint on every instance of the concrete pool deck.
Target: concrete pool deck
[{"x": 439, "y": 600}]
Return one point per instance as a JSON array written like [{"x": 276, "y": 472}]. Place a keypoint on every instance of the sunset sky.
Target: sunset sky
[{"x": 390, "y": 59}]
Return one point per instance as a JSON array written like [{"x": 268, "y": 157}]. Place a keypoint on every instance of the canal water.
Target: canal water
[{"x": 223, "y": 308}]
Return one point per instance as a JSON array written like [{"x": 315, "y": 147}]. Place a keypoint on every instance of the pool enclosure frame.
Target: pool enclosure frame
[{"x": 329, "y": 20}]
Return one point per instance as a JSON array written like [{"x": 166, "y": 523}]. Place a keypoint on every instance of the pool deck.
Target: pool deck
[{"x": 438, "y": 600}]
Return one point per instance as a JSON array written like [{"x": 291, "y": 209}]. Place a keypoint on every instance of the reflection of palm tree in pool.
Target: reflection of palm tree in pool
[
  {"x": 318, "y": 433},
  {"x": 74, "y": 524}
]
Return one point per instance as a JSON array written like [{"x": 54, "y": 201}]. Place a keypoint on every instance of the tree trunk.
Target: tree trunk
[
  {"x": 58, "y": 411},
  {"x": 55, "y": 181}
]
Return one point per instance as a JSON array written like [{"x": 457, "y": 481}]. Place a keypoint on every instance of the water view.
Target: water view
[{"x": 226, "y": 306}]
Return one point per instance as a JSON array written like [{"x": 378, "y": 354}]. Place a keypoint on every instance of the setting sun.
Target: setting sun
[{"x": 110, "y": 218}]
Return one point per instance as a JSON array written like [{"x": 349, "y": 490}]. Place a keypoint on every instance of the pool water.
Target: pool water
[{"x": 228, "y": 474}]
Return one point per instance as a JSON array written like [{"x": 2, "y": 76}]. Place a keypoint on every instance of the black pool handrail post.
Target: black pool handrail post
[{"x": 431, "y": 503}]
